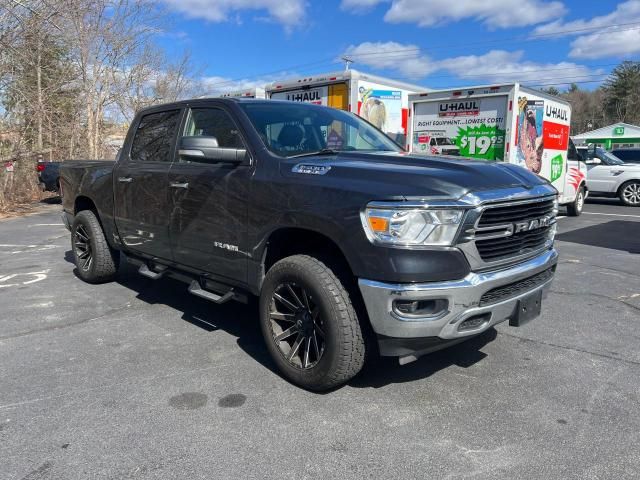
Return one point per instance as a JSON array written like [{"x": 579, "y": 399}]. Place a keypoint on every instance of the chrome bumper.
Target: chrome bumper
[{"x": 462, "y": 296}]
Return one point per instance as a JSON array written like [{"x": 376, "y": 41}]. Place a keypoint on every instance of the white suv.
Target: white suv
[{"x": 609, "y": 176}]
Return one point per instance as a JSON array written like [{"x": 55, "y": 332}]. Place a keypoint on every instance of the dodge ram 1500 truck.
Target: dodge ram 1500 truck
[{"x": 352, "y": 245}]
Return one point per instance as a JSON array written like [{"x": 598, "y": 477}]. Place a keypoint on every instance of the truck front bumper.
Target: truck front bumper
[{"x": 449, "y": 312}]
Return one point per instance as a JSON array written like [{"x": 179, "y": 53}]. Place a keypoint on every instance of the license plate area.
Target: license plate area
[{"x": 528, "y": 308}]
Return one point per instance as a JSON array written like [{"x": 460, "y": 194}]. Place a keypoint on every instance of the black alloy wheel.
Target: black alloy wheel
[
  {"x": 82, "y": 247},
  {"x": 297, "y": 325}
]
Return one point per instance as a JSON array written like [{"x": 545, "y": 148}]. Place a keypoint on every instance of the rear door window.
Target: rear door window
[{"x": 155, "y": 137}]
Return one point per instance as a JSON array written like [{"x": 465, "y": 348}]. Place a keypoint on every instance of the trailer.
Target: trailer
[
  {"x": 256, "y": 92},
  {"x": 502, "y": 123},
  {"x": 381, "y": 101}
]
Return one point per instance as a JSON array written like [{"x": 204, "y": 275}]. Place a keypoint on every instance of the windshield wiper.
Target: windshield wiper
[{"x": 324, "y": 151}]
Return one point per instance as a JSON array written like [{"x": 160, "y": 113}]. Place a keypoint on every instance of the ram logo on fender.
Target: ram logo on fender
[{"x": 531, "y": 224}]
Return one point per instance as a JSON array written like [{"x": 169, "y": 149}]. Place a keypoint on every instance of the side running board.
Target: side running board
[
  {"x": 147, "y": 272},
  {"x": 196, "y": 289}
]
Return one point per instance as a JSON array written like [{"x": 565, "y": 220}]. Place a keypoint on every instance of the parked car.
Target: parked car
[
  {"x": 48, "y": 176},
  {"x": 611, "y": 177},
  {"x": 627, "y": 155},
  {"x": 343, "y": 245}
]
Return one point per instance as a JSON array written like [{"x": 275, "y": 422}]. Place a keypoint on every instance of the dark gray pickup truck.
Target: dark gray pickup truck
[{"x": 353, "y": 246}]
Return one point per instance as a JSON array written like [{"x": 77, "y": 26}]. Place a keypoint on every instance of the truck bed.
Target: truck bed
[{"x": 84, "y": 179}]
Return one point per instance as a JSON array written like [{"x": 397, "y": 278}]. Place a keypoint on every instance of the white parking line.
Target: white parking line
[
  {"x": 611, "y": 214},
  {"x": 35, "y": 277},
  {"x": 47, "y": 225}
]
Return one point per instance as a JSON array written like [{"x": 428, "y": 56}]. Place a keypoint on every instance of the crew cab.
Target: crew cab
[
  {"x": 352, "y": 245},
  {"x": 609, "y": 176}
]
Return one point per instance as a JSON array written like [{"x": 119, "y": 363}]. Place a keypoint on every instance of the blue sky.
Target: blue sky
[{"x": 435, "y": 43}]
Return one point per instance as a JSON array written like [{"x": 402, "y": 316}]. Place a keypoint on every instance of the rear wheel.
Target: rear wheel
[
  {"x": 97, "y": 262},
  {"x": 574, "y": 209},
  {"x": 309, "y": 324},
  {"x": 630, "y": 193}
]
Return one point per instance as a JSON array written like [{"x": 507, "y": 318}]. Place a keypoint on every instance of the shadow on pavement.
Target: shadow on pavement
[
  {"x": 241, "y": 321},
  {"x": 604, "y": 201},
  {"x": 55, "y": 200},
  {"x": 386, "y": 370},
  {"x": 616, "y": 235}
]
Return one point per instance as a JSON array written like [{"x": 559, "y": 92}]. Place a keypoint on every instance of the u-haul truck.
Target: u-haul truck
[
  {"x": 381, "y": 101},
  {"x": 248, "y": 93},
  {"x": 505, "y": 123}
]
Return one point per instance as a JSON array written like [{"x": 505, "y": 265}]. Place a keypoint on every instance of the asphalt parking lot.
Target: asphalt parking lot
[{"x": 137, "y": 379}]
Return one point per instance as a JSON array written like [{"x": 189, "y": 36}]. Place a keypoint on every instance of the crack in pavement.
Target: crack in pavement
[
  {"x": 580, "y": 262},
  {"x": 65, "y": 325},
  {"x": 597, "y": 295},
  {"x": 138, "y": 381},
  {"x": 573, "y": 349}
]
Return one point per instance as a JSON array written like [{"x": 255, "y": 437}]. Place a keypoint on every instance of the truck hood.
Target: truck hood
[{"x": 416, "y": 176}]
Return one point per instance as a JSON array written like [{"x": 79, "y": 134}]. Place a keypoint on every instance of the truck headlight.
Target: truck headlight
[{"x": 411, "y": 227}]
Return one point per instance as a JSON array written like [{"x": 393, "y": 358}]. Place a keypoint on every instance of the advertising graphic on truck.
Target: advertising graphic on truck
[
  {"x": 509, "y": 123},
  {"x": 381, "y": 106},
  {"x": 471, "y": 128},
  {"x": 542, "y": 136}
]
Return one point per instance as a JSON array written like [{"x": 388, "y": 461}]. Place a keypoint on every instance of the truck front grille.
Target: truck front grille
[
  {"x": 500, "y": 225},
  {"x": 506, "y": 214},
  {"x": 505, "y": 292}
]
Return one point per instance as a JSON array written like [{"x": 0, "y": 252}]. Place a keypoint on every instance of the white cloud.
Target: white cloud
[
  {"x": 355, "y": 4},
  {"x": 606, "y": 44},
  {"x": 625, "y": 12},
  {"x": 217, "y": 85},
  {"x": 494, "y": 13},
  {"x": 404, "y": 58},
  {"x": 614, "y": 36},
  {"x": 491, "y": 67},
  {"x": 287, "y": 12},
  {"x": 503, "y": 66}
]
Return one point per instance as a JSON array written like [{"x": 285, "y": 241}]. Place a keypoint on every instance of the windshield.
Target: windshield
[
  {"x": 607, "y": 157},
  {"x": 289, "y": 129},
  {"x": 444, "y": 141}
]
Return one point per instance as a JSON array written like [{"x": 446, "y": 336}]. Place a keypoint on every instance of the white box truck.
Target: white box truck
[
  {"x": 381, "y": 101},
  {"x": 256, "y": 92},
  {"x": 503, "y": 123}
]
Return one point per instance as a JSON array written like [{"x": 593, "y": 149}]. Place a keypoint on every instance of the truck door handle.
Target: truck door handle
[
  {"x": 179, "y": 185},
  {"x": 125, "y": 179}
]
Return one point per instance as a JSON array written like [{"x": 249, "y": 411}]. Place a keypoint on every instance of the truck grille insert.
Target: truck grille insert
[
  {"x": 515, "y": 213},
  {"x": 505, "y": 292},
  {"x": 518, "y": 244}
]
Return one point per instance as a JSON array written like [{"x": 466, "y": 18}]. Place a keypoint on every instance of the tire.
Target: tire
[
  {"x": 574, "y": 209},
  {"x": 95, "y": 260},
  {"x": 629, "y": 193},
  {"x": 304, "y": 303}
]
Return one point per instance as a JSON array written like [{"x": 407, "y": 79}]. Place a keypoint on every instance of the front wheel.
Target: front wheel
[
  {"x": 574, "y": 209},
  {"x": 309, "y": 324},
  {"x": 97, "y": 262},
  {"x": 630, "y": 193}
]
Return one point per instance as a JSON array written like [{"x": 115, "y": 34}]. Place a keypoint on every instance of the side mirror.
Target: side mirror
[
  {"x": 206, "y": 150},
  {"x": 593, "y": 161}
]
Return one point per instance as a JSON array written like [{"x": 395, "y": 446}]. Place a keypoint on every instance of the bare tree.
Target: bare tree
[{"x": 109, "y": 40}]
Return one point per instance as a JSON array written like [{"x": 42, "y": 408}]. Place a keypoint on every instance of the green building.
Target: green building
[{"x": 618, "y": 135}]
